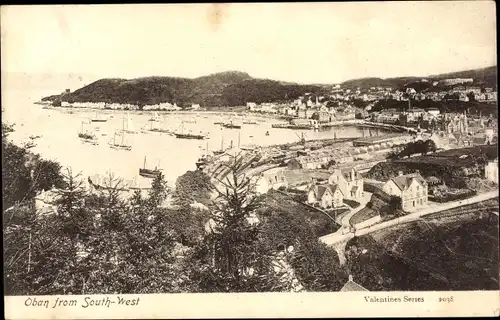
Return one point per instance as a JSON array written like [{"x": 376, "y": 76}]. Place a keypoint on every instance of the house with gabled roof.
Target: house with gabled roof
[
  {"x": 411, "y": 188},
  {"x": 270, "y": 180},
  {"x": 349, "y": 181},
  {"x": 350, "y": 285},
  {"x": 325, "y": 195}
]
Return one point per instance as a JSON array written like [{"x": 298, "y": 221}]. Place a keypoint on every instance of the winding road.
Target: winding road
[{"x": 340, "y": 237}]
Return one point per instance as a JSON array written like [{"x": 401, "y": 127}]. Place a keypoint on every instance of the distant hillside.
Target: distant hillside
[
  {"x": 482, "y": 77},
  {"x": 365, "y": 83},
  {"x": 230, "y": 88},
  {"x": 485, "y": 76}
]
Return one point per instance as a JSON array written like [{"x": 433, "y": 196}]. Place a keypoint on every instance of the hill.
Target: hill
[
  {"x": 482, "y": 77},
  {"x": 365, "y": 83},
  {"x": 231, "y": 88}
]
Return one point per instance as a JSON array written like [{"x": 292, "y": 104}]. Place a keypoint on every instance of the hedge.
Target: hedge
[{"x": 452, "y": 197}]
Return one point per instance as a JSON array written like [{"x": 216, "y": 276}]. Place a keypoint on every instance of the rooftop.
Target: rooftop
[
  {"x": 404, "y": 181},
  {"x": 350, "y": 285}
]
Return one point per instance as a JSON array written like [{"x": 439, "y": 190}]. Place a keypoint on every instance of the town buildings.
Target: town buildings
[
  {"x": 349, "y": 181},
  {"x": 411, "y": 188},
  {"x": 270, "y": 180},
  {"x": 325, "y": 195}
]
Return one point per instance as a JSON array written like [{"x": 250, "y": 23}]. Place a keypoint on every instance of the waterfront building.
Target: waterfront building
[
  {"x": 394, "y": 139},
  {"x": 323, "y": 116},
  {"x": 349, "y": 181},
  {"x": 411, "y": 188},
  {"x": 251, "y": 106},
  {"x": 325, "y": 195},
  {"x": 491, "y": 171},
  {"x": 450, "y": 82}
]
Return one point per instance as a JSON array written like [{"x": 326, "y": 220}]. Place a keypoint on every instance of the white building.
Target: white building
[
  {"x": 491, "y": 171},
  {"x": 411, "y": 188}
]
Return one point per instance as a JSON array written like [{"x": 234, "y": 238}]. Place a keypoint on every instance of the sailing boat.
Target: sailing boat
[
  {"x": 221, "y": 151},
  {"x": 155, "y": 118},
  {"x": 87, "y": 137},
  {"x": 183, "y": 135},
  {"x": 160, "y": 130},
  {"x": 121, "y": 145},
  {"x": 221, "y": 121},
  {"x": 203, "y": 161},
  {"x": 150, "y": 173},
  {"x": 129, "y": 127},
  {"x": 97, "y": 119}
]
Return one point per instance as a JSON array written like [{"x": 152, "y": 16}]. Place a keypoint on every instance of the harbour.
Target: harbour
[{"x": 58, "y": 128}]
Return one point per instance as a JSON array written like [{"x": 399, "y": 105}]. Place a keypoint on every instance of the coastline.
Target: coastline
[{"x": 241, "y": 111}]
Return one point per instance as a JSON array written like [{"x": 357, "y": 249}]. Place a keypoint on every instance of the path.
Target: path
[
  {"x": 362, "y": 204},
  {"x": 339, "y": 237},
  {"x": 437, "y": 208}
]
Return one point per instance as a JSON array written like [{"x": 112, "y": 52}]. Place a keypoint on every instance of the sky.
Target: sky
[{"x": 297, "y": 42}]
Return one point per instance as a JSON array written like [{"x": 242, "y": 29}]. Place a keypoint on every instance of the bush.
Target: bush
[
  {"x": 463, "y": 194},
  {"x": 282, "y": 188}
]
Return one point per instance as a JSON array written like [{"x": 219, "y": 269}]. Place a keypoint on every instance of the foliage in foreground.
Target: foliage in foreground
[{"x": 99, "y": 242}]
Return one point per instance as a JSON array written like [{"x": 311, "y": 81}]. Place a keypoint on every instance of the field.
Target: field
[{"x": 455, "y": 249}]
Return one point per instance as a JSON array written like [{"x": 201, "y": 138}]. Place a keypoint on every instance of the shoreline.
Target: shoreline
[{"x": 240, "y": 112}]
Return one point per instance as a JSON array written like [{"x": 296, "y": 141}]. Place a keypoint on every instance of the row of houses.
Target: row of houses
[
  {"x": 320, "y": 111},
  {"x": 343, "y": 184},
  {"x": 362, "y": 150},
  {"x": 125, "y": 106}
]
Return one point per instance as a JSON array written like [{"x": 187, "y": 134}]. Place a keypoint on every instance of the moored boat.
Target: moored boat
[
  {"x": 121, "y": 145},
  {"x": 149, "y": 173},
  {"x": 189, "y": 135},
  {"x": 98, "y": 119},
  {"x": 231, "y": 125},
  {"x": 87, "y": 137}
]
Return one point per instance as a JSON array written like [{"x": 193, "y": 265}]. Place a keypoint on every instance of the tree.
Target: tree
[
  {"x": 316, "y": 266},
  {"x": 229, "y": 258},
  {"x": 47, "y": 175},
  {"x": 430, "y": 146},
  {"x": 419, "y": 147},
  {"x": 193, "y": 186}
]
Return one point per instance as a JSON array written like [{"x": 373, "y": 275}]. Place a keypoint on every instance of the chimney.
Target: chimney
[
  {"x": 400, "y": 173},
  {"x": 350, "y": 278}
]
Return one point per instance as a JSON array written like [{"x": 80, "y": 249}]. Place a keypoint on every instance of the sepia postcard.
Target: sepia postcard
[{"x": 250, "y": 160}]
